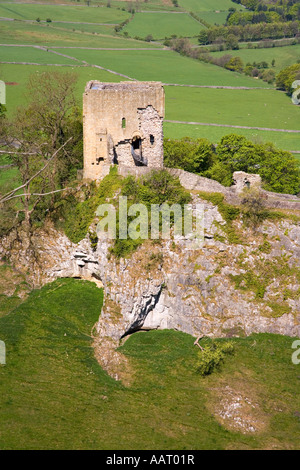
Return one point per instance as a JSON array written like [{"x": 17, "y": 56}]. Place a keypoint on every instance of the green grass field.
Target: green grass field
[
  {"x": 61, "y": 34},
  {"x": 214, "y": 17},
  {"x": 255, "y": 108},
  {"x": 150, "y": 5},
  {"x": 281, "y": 140},
  {"x": 31, "y": 54},
  {"x": 15, "y": 94},
  {"x": 54, "y": 395},
  {"x": 283, "y": 56},
  {"x": 106, "y": 30},
  {"x": 161, "y": 25},
  {"x": 166, "y": 66},
  {"x": 207, "y": 5},
  {"x": 72, "y": 13}
]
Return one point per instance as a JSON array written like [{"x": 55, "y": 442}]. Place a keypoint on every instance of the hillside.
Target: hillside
[
  {"x": 52, "y": 383},
  {"x": 242, "y": 286},
  {"x": 157, "y": 307}
]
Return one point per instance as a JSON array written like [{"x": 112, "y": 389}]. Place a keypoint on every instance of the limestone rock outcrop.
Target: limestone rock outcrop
[{"x": 220, "y": 289}]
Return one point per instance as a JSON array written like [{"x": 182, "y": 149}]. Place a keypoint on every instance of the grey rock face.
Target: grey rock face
[{"x": 213, "y": 290}]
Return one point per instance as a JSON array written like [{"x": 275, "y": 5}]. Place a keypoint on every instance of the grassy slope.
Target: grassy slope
[
  {"x": 255, "y": 108},
  {"x": 281, "y": 140},
  {"x": 55, "y": 396},
  {"x": 161, "y": 25},
  {"x": 166, "y": 66},
  {"x": 283, "y": 56},
  {"x": 13, "y": 32},
  {"x": 214, "y": 17},
  {"x": 15, "y": 94},
  {"x": 13, "y": 288},
  {"x": 73, "y": 13},
  {"x": 206, "y": 5},
  {"x": 31, "y": 54}
]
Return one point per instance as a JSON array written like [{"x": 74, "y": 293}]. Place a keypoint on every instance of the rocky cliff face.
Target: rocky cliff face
[{"x": 220, "y": 289}]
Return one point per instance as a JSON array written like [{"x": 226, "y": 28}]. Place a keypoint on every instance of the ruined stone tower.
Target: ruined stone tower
[{"x": 122, "y": 124}]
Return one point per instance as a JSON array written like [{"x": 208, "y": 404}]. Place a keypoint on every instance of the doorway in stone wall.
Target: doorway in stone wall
[
  {"x": 136, "y": 151},
  {"x": 137, "y": 145}
]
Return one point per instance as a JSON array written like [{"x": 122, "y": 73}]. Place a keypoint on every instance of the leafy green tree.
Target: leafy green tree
[
  {"x": 46, "y": 159},
  {"x": 149, "y": 38},
  {"x": 253, "y": 206},
  {"x": 236, "y": 153},
  {"x": 287, "y": 76},
  {"x": 203, "y": 37},
  {"x": 279, "y": 169},
  {"x": 267, "y": 75},
  {"x": 235, "y": 64},
  {"x": 232, "y": 42},
  {"x": 50, "y": 119},
  {"x": 211, "y": 357},
  {"x": 155, "y": 188},
  {"x": 194, "y": 155},
  {"x": 219, "y": 172}
]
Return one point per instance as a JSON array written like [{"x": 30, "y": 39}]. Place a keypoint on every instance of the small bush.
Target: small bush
[
  {"x": 157, "y": 187},
  {"x": 80, "y": 216},
  {"x": 93, "y": 240},
  {"x": 212, "y": 357},
  {"x": 228, "y": 212},
  {"x": 253, "y": 207}
]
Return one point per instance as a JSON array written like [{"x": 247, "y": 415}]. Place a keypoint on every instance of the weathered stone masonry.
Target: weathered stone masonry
[{"x": 123, "y": 124}]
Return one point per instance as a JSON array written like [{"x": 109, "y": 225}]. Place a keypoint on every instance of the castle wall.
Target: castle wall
[
  {"x": 194, "y": 182},
  {"x": 116, "y": 113},
  {"x": 151, "y": 124}
]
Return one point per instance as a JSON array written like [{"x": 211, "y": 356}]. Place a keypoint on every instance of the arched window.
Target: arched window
[
  {"x": 151, "y": 139},
  {"x": 123, "y": 123}
]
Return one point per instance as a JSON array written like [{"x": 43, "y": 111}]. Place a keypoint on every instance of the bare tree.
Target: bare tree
[{"x": 29, "y": 198}]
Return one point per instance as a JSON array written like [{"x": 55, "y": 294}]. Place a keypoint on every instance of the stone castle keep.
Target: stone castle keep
[{"x": 122, "y": 124}]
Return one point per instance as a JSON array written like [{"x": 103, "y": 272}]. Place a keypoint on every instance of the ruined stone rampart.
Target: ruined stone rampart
[{"x": 194, "y": 182}]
